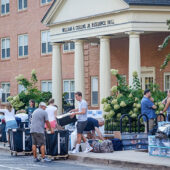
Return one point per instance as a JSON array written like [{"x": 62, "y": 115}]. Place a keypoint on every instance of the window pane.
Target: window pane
[
  {"x": 25, "y": 3},
  {"x": 44, "y": 86},
  {"x": 66, "y": 86},
  {"x": 21, "y": 40},
  {"x": 72, "y": 95},
  {"x": 94, "y": 98},
  {"x": 20, "y": 4},
  {"x": 50, "y": 86},
  {"x": 3, "y": 2},
  {"x": 8, "y": 52},
  {"x": 49, "y": 0},
  {"x": 25, "y": 39},
  {"x": 49, "y": 47},
  {"x": 43, "y": 1},
  {"x": 66, "y": 47},
  {"x": 72, "y": 86},
  {"x": 21, "y": 88},
  {"x": 43, "y": 48},
  {"x": 66, "y": 96},
  {"x": 2, "y": 9},
  {"x": 3, "y": 43},
  {"x": 95, "y": 84},
  {"x": 7, "y": 8},
  {"x": 3, "y": 97},
  {"x": 44, "y": 37},
  {"x": 25, "y": 50},
  {"x": 3, "y": 53},
  {"x": 21, "y": 51},
  {"x": 72, "y": 46}
]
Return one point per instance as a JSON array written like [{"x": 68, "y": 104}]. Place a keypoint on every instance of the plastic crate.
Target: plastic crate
[
  {"x": 138, "y": 146},
  {"x": 152, "y": 141}
]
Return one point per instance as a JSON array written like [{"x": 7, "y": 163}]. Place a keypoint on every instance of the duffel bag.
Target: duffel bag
[{"x": 105, "y": 146}]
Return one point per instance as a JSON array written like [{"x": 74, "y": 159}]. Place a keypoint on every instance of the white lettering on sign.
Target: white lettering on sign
[{"x": 88, "y": 26}]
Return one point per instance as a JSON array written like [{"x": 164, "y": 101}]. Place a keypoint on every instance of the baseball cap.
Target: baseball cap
[{"x": 42, "y": 104}]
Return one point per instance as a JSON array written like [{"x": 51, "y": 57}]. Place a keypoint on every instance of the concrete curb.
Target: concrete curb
[{"x": 120, "y": 163}]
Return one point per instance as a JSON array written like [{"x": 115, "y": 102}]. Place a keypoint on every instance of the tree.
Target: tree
[{"x": 164, "y": 45}]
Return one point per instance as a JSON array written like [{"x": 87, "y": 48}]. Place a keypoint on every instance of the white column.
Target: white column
[
  {"x": 105, "y": 75},
  {"x": 79, "y": 67},
  {"x": 134, "y": 55},
  {"x": 57, "y": 76}
]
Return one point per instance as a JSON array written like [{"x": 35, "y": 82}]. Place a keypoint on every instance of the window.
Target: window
[
  {"x": 45, "y": 1},
  {"x": 4, "y": 7},
  {"x": 147, "y": 77},
  {"x": 21, "y": 88},
  {"x": 5, "y": 48},
  {"x": 94, "y": 91},
  {"x": 6, "y": 91},
  {"x": 22, "y": 4},
  {"x": 22, "y": 45},
  {"x": 46, "y": 47},
  {"x": 68, "y": 47},
  {"x": 46, "y": 86},
  {"x": 68, "y": 88},
  {"x": 166, "y": 81}
]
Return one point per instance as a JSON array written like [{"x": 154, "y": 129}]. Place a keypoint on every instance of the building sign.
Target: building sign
[{"x": 88, "y": 26}]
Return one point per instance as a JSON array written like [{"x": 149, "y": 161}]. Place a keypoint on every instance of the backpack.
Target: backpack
[{"x": 105, "y": 146}]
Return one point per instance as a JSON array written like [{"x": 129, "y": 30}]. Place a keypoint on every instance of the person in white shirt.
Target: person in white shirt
[
  {"x": 81, "y": 114},
  {"x": 52, "y": 113},
  {"x": 9, "y": 114}
]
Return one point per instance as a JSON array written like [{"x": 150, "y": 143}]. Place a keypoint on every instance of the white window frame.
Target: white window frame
[
  {"x": 7, "y": 38},
  {"x": 46, "y": 41},
  {"x": 94, "y": 105},
  {"x": 6, "y": 13},
  {"x": 5, "y": 83},
  {"x": 166, "y": 74},
  {"x": 47, "y": 82},
  {"x": 69, "y": 47},
  {"x": 23, "y": 45},
  {"x": 46, "y": 2},
  {"x": 23, "y": 4},
  {"x": 70, "y": 91},
  {"x": 147, "y": 72}
]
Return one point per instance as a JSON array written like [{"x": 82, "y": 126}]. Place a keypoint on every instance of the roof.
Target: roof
[
  {"x": 149, "y": 2},
  {"x": 130, "y": 2}
]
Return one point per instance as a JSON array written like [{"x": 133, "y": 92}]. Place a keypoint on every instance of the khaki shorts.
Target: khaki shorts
[
  {"x": 81, "y": 126},
  {"x": 38, "y": 139},
  {"x": 150, "y": 123}
]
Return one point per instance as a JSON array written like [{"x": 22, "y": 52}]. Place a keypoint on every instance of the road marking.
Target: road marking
[{"x": 11, "y": 167}]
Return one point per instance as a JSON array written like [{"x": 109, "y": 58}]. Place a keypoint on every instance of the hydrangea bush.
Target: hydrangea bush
[
  {"x": 127, "y": 100},
  {"x": 21, "y": 101}
]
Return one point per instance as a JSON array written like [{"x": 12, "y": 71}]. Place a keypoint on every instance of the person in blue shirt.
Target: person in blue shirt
[
  {"x": 93, "y": 126},
  {"x": 148, "y": 108}
]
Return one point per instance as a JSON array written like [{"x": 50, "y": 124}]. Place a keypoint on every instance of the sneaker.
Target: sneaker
[
  {"x": 74, "y": 151},
  {"x": 88, "y": 149},
  {"x": 36, "y": 160},
  {"x": 46, "y": 160}
]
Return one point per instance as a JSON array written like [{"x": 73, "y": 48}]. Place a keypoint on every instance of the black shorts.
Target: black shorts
[
  {"x": 38, "y": 139},
  {"x": 81, "y": 126}
]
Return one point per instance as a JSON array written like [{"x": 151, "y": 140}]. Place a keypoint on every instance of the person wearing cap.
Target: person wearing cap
[
  {"x": 39, "y": 119},
  {"x": 148, "y": 108}
]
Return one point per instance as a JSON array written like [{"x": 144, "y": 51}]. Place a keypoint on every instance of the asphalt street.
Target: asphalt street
[{"x": 26, "y": 163}]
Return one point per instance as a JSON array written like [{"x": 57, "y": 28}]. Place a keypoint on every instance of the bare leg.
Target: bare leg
[
  {"x": 34, "y": 150},
  {"x": 79, "y": 136},
  {"x": 42, "y": 148},
  {"x": 84, "y": 139}
]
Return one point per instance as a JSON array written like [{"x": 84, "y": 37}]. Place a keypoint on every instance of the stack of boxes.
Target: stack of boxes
[{"x": 159, "y": 147}]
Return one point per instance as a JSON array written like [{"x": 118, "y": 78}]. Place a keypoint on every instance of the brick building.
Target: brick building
[{"x": 88, "y": 39}]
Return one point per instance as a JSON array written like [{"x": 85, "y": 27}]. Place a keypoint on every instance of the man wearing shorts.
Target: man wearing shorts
[
  {"x": 81, "y": 113},
  {"x": 39, "y": 118}
]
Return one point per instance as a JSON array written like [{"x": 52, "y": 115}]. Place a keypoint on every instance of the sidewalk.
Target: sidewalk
[{"x": 128, "y": 159}]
